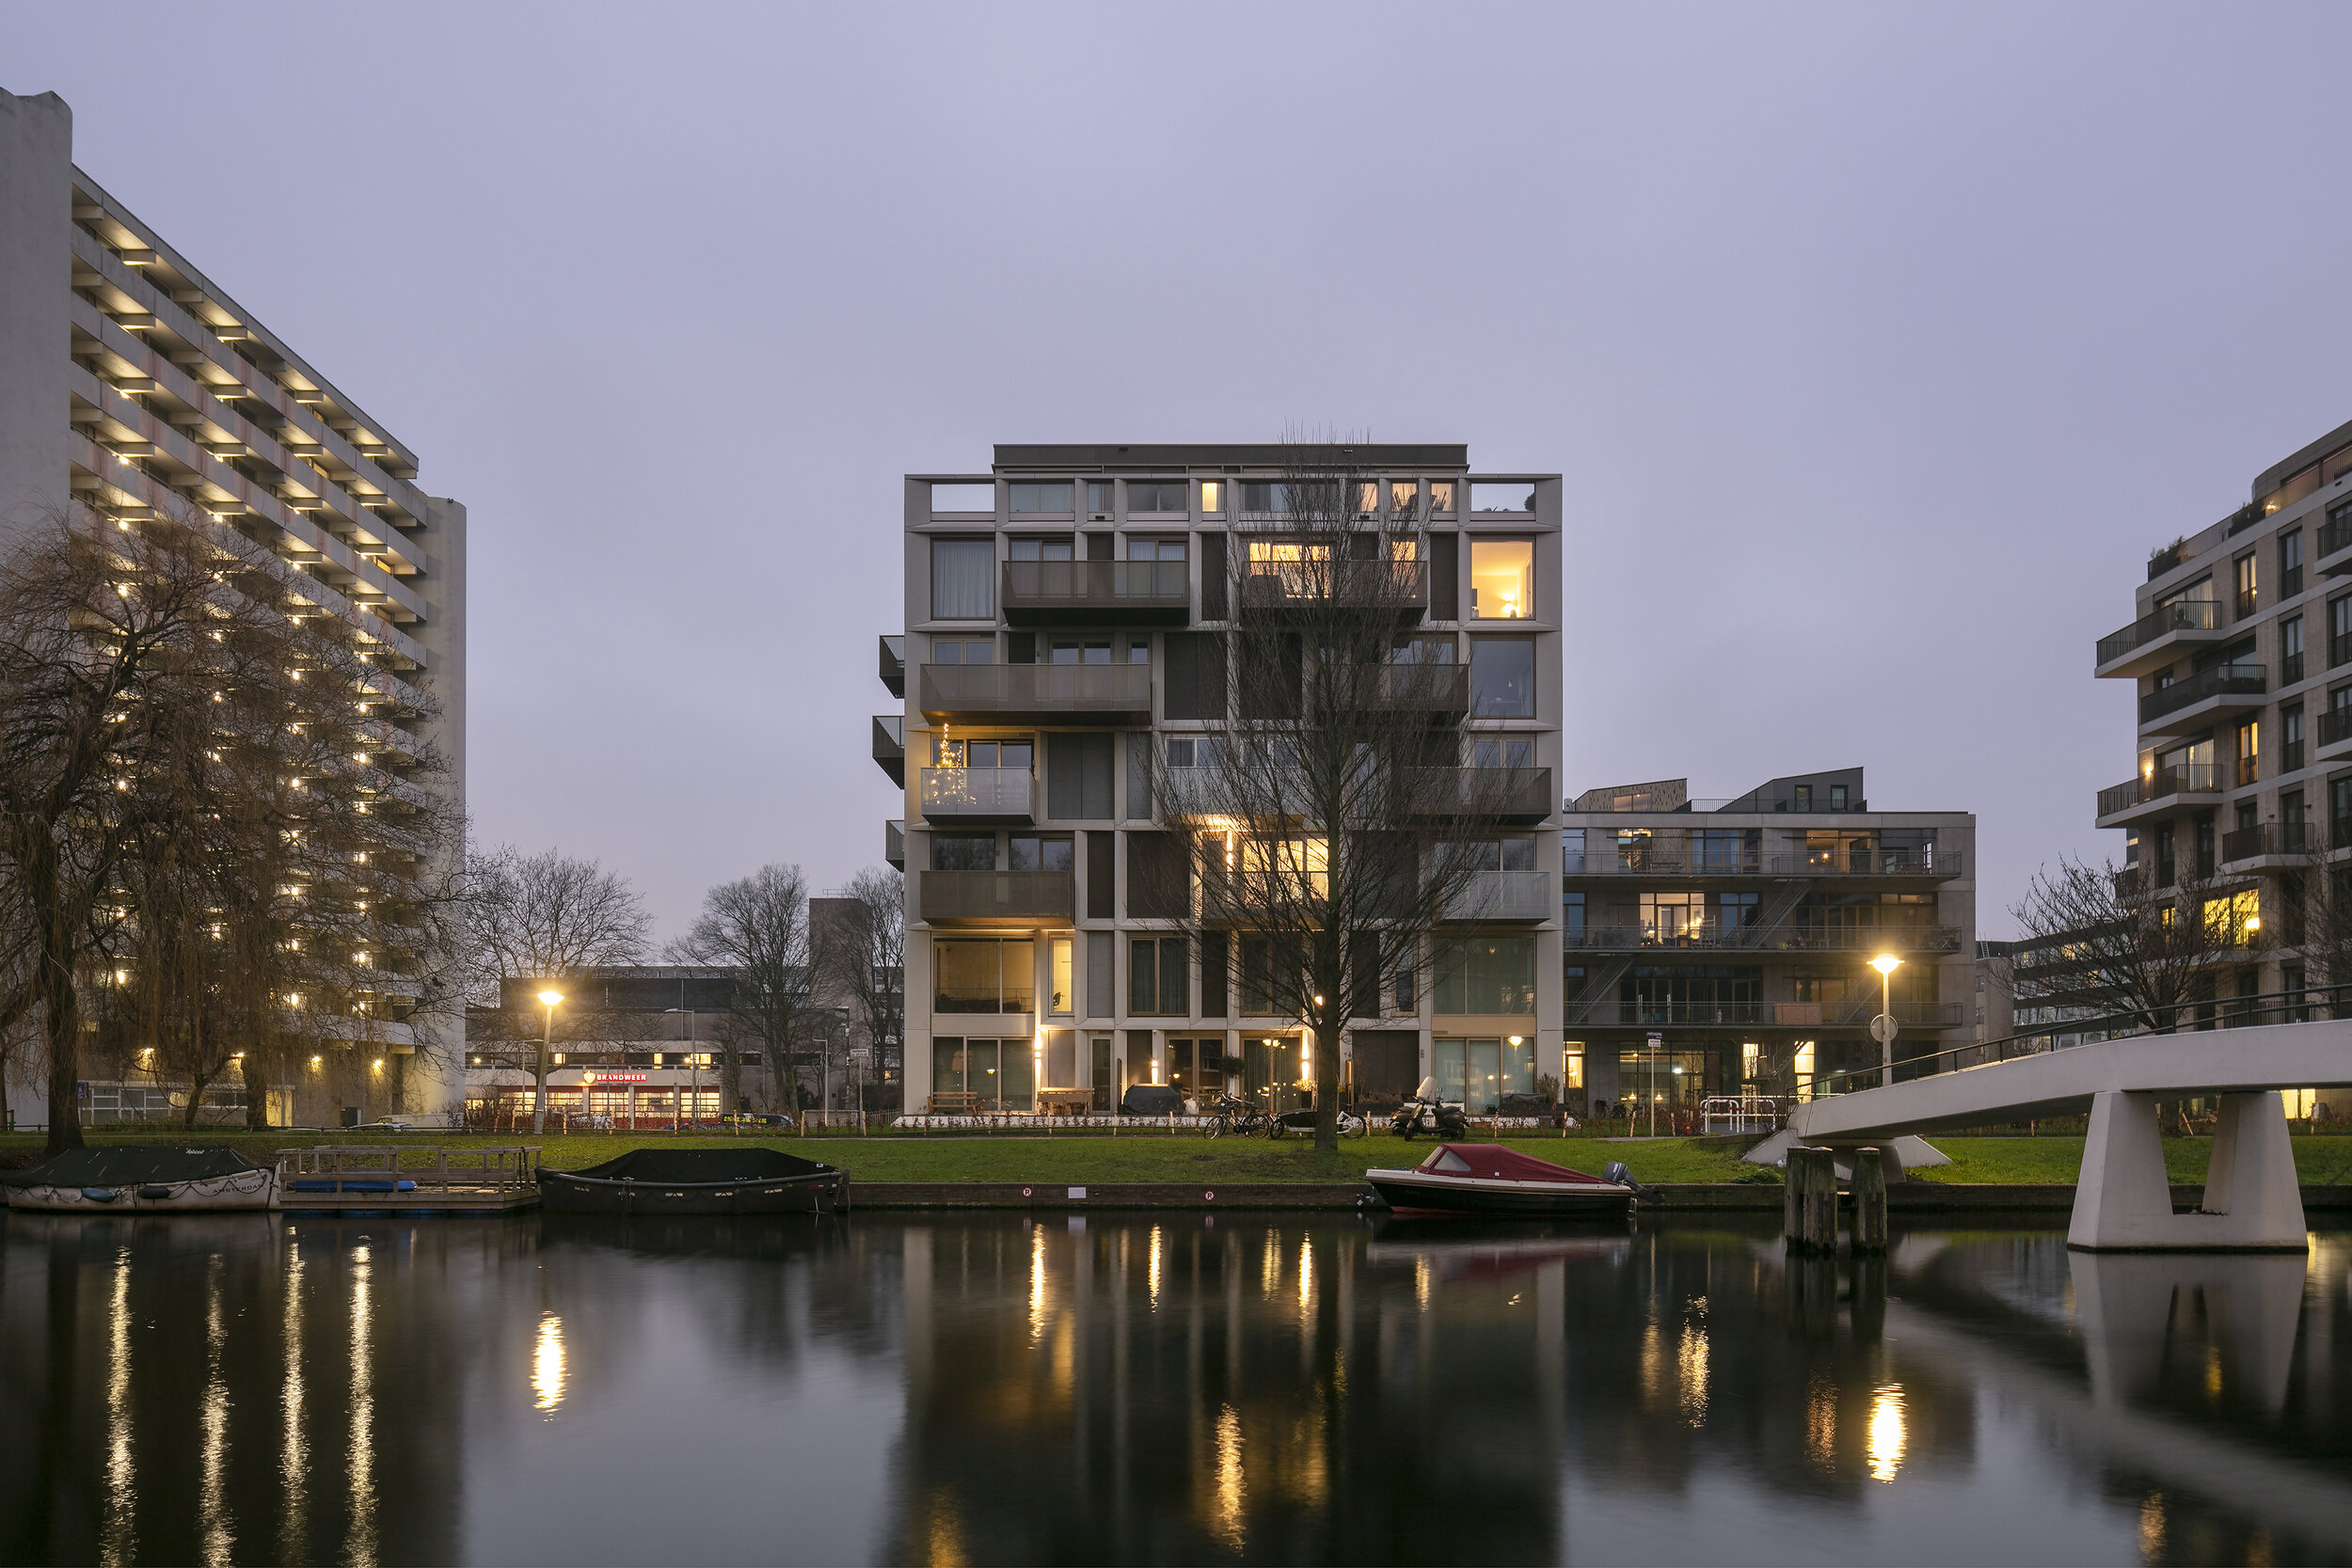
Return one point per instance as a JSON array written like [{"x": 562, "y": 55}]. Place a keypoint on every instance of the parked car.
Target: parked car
[
  {"x": 388, "y": 1126},
  {"x": 737, "y": 1118},
  {"x": 775, "y": 1119}
]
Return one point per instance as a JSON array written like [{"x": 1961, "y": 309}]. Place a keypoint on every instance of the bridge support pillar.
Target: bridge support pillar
[{"x": 2123, "y": 1199}]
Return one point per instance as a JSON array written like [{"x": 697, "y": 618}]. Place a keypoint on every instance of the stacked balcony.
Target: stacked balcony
[
  {"x": 1097, "y": 593},
  {"x": 1397, "y": 588},
  {"x": 977, "y": 796},
  {"x": 2159, "y": 792},
  {"x": 1111, "y": 694},
  {"x": 1017, "y": 898},
  {"x": 1506, "y": 898},
  {"x": 2156, "y": 639},
  {"x": 2205, "y": 699}
]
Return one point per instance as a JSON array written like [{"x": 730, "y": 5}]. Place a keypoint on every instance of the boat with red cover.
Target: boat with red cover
[{"x": 1488, "y": 1178}]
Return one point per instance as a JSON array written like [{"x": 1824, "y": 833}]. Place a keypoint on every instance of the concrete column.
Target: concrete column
[{"x": 2123, "y": 1200}]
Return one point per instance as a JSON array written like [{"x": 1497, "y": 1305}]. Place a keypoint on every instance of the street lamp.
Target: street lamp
[
  {"x": 547, "y": 998},
  {"x": 1883, "y": 1028}
]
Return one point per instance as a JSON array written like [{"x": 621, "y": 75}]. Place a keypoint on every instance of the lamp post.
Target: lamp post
[
  {"x": 547, "y": 998},
  {"x": 1883, "y": 1028},
  {"x": 693, "y": 1062}
]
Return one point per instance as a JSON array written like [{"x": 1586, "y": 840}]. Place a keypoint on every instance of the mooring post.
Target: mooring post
[
  {"x": 1870, "y": 1202},
  {"x": 1792, "y": 1194},
  {"x": 1810, "y": 1205}
]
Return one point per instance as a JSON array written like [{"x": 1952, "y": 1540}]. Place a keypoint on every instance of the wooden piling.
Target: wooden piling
[
  {"x": 1810, "y": 1212},
  {"x": 1869, "y": 1203}
]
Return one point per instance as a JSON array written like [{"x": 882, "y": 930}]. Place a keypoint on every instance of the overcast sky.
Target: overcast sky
[{"x": 1877, "y": 345}]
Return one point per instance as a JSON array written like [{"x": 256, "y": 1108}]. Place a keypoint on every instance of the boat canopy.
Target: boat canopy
[
  {"x": 1496, "y": 1162},
  {"x": 129, "y": 1167},
  {"x": 686, "y": 1167}
]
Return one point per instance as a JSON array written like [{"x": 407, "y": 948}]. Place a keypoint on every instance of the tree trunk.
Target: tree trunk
[
  {"x": 255, "y": 1092},
  {"x": 61, "y": 1019},
  {"x": 1327, "y": 1085},
  {"x": 195, "y": 1097}
]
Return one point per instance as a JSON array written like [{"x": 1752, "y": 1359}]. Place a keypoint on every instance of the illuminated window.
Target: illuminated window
[
  {"x": 1211, "y": 497},
  {"x": 1502, "y": 580},
  {"x": 1059, "y": 981}
]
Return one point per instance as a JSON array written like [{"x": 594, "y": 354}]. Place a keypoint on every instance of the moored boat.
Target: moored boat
[
  {"x": 143, "y": 1180},
  {"x": 696, "y": 1182},
  {"x": 1488, "y": 1178}
]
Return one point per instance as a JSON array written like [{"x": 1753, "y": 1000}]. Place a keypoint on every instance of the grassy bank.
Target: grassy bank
[{"x": 1157, "y": 1157}]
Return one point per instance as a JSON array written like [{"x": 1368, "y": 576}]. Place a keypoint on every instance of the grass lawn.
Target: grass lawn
[{"x": 1157, "y": 1157}]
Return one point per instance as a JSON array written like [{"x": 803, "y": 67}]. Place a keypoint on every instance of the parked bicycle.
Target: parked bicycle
[{"x": 1238, "y": 1116}]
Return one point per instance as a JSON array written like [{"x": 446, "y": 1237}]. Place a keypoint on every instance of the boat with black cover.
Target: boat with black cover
[
  {"x": 697, "y": 1182},
  {"x": 127, "y": 1179},
  {"x": 1490, "y": 1179}
]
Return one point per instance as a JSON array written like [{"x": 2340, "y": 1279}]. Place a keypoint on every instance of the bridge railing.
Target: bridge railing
[{"x": 2309, "y": 1005}]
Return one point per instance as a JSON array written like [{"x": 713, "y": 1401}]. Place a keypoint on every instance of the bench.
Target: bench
[{"x": 955, "y": 1102}]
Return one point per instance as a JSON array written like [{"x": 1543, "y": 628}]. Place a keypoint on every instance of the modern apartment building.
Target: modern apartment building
[
  {"x": 1717, "y": 947},
  {"x": 2240, "y": 649},
  {"x": 134, "y": 383},
  {"x": 1066, "y": 615}
]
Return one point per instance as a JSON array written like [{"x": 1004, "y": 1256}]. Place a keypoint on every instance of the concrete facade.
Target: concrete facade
[
  {"x": 133, "y": 383},
  {"x": 1741, "y": 932},
  {"x": 1066, "y": 1019}
]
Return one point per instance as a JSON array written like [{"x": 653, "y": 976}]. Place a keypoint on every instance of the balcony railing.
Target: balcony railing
[
  {"x": 1858, "y": 1013},
  {"x": 1785, "y": 1015},
  {"x": 1525, "y": 895},
  {"x": 1789, "y": 939},
  {"x": 2334, "y": 534},
  {"x": 1485, "y": 794},
  {"x": 2335, "y": 726},
  {"x": 1438, "y": 689},
  {"x": 893, "y": 663},
  {"x": 2202, "y": 778},
  {"x": 1399, "y": 586},
  {"x": 974, "y": 794},
  {"x": 2222, "y": 680},
  {"x": 2270, "y": 838},
  {"x": 894, "y": 842},
  {"x": 1631, "y": 862},
  {"x": 1039, "y": 694},
  {"x": 890, "y": 752},
  {"x": 2187, "y": 615},
  {"x": 1044, "y": 593},
  {"x": 1036, "y": 898}
]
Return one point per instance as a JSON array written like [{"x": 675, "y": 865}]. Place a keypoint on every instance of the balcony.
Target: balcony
[
  {"x": 2334, "y": 539},
  {"x": 1523, "y": 897},
  {"x": 1785, "y": 939},
  {"x": 2154, "y": 641},
  {"x": 1857, "y": 1014},
  {"x": 1889, "y": 865},
  {"x": 1116, "y": 694},
  {"x": 894, "y": 665},
  {"x": 2197, "y": 703},
  {"x": 981, "y": 796},
  {"x": 1098, "y": 593},
  {"x": 894, "y": 842},
  {"x": 1481, "y": 794},
  {"x": 2247, "y": 848},
  {"x": 1397, "y": 588},
  {"x": 2157, "y": 792},
  {"x": 1441, "y": 691},
  {"x": 890, "y": 748},
  {"x": 2335, "y": 735},
  {"x": 1028, "y": 898}
]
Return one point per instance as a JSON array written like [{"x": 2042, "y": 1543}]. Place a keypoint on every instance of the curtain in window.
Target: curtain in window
[{"x": 963, "y": 579}]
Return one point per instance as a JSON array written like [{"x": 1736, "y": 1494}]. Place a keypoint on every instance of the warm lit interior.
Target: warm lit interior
[{"x": 1502, "y": 580}]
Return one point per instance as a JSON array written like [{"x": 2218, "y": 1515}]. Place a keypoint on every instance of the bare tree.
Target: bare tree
[
  {"x": 756, "y": 927},
  {"x": 547, "y": 917},
  {"x": 863, "y": 954},
  {"x": 2129, "y": 950},
  {"x": 1332, "y": 830}
]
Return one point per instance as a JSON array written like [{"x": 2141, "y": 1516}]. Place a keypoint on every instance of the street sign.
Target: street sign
[
  {"x": 1656, "y": 1039},
  {"x": 1884, "y": 1028}
]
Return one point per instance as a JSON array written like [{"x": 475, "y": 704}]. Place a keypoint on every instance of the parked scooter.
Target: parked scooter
[
  {"x": 1348, "y": 1122},
  {"x": 1425, "y": 1113}
]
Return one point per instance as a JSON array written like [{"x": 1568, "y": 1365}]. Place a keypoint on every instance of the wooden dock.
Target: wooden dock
[{"x": 366, "y": 1179}]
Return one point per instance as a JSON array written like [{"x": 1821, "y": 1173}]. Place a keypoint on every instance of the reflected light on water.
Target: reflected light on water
[
  {"x": 1153, "y": 1266},
  {"x": 1305, "y": 1276},
  {"x": 1691, "y": 1367},
  {"x": 360, "y": 1552},
  {"x": 1270, "y": 1265},
  {"x": 2152, "y": 1528},
  {"x": 1228, "y": 1521},
  {"x": 1037, "y": 1284},
  {"x": 1421, "y": 1273},
  {"x": 1886, "y": 1433},
  {"x": 294, "y": 1463},
  {"x": 213, "y": 1503},
  {"x": 1820, "y": 1425},
  {"x": 546, "y": 1364},
  {"x": 117, "y": 1541}
]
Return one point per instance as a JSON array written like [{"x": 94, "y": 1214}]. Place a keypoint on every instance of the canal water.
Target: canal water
[{"x": 1123, "y": 1388}]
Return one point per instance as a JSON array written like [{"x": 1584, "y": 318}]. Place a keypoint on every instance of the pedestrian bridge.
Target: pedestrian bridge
[{"x": 2123, "y": 1199}]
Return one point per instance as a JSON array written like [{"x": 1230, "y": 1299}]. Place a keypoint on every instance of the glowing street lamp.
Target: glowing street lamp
[
  {"x": 547, "y": 998},
  {"x": 1883, "y": 1026}
]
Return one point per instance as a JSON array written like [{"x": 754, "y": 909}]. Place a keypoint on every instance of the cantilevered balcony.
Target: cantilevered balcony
[
  {"x": 1782, "y": 939},
  {"x": 890, "y": 748},
  {"x": 1517, "y": 897},
  {"x": 894, "y": 842},
  {"x": 1116, "y": 694},
  {"x": 1395, "y": 588},
  {"x": 2156, "y": 639},
  {"x": 2270, "y": 844},
  {"x": 1028, "y": 898},
  {"x": 1879, "y": 865},
  {"x": 2196, "y": 705},
  {"x": 2334, "y": 734},
  {"x": 997, "y": 797},
  {"x": 894, "y": 665},
  {"x": 1482, "y": 794},
  {"x": 1098, "y": 593},
  {"x": 1440, "y": 691},
  {"x": 2159, "y": 792}
]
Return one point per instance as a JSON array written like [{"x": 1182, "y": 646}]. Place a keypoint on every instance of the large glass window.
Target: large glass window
[
  {"x": 1476, "y": 1074},
  {"x": 1154, "y": 549},
  {"x": 1156, "y": 495},
  {"x": 1158, "y": 974},
  {"x": 1038, "y": 852},
  {"x": 1503, "y": 677},
  {"x": 1045, "y": 496},
  {"x": 1058, "y": 980},
  {"x": 963, "y": 851},
  {"x": 1038, "y": 549},
  {"x": 1487, "y": 975},
  {"x": 1502, "y": 580},
  {"x": 983, "y": 976},
  {"x": 1264, "y": 497},
  {"x": 963, "y": 579}
]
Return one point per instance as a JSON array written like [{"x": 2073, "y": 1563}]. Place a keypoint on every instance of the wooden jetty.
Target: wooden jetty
[{"x": 366, "y": 1179}]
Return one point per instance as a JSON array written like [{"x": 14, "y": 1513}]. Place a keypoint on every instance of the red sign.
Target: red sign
[{"x": 611, "y": 1077}]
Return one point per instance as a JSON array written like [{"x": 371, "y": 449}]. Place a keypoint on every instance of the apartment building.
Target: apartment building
[
  {"x": 1066, "y": 614},
  {"x": 1717, "y": 947},
  {"x": 2240, "y": 650},
  {"x": 134, "y": 383}
]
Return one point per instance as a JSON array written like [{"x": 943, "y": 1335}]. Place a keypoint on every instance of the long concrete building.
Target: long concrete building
[
  {"x": 1031, "y": 972},
  {"x": 132, "y": 382}
]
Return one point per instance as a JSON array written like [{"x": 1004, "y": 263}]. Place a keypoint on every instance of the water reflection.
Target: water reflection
[{"x": 987, "y": 1388}]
